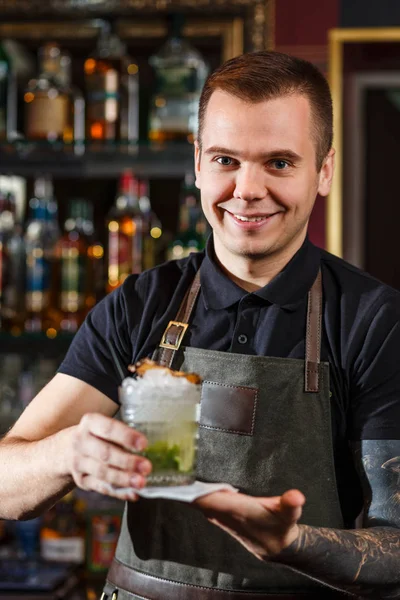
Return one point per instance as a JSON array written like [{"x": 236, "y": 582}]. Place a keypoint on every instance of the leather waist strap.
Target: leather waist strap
[{"x": 155, "y": 588}]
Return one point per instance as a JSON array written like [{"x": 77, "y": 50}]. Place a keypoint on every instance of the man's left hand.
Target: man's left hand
[{"x": 264, "y": 526}]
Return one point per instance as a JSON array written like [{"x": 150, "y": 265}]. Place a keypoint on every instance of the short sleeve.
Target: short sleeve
[
  {"x": 108, "y": 326},
  {"x": 375, "y": 384}
]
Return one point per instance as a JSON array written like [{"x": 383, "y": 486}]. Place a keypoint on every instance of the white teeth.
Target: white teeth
[{"x": 249, "y": 218}]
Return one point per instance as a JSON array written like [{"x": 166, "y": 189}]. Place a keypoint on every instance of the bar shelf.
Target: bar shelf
[{"x": 155, "y": 160}]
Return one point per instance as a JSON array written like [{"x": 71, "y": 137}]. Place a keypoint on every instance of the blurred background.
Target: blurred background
[{"x": 98, "y": 113}]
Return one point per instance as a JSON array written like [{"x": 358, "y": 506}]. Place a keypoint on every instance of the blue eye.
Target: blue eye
[
  {"x": 280, "y": 164},
  {"x": 225, "y": 161}
]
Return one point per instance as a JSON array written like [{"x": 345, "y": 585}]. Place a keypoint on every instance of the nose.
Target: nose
[{"x": 250, "y": 183}]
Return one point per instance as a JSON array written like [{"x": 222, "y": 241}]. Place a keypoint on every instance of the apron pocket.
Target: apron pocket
[{"x": 228, "y": 407}]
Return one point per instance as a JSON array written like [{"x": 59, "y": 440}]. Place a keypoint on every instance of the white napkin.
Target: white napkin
[{"x": 185, "y": 493}]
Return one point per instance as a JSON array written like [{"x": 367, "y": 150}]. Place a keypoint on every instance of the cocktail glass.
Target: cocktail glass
[{"x": 165, "y": 409}]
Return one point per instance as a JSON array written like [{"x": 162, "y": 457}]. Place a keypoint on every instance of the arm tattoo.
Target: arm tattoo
[{"x": 364, "y": 562}]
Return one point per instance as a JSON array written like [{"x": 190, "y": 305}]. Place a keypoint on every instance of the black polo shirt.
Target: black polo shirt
[{"x": 361, "y": 337}]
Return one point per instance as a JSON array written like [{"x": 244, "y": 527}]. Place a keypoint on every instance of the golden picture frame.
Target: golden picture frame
[{"x": 337, "y": 39}]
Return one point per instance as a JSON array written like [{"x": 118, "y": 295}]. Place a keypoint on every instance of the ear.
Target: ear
[
  {"x": 197, "y": 157},
  {"x": 326, "y": 174}
]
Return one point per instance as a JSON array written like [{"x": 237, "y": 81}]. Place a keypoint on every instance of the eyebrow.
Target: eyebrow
[{"x": 278, "y": 152}]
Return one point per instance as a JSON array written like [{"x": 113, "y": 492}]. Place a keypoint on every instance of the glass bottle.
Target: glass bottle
[
  {"x": 10, "y": 405},
  {"x": 125, "y": 230},
  {"x": 190, "y": 236},
  {"x": 112, "y": 91},
  {"x": 47, "y": 101},
  {"x": 62, "y": 536},
  {"x": 180, "y": 75},
  {"x": 152, "y": 228},
  {"x": 12, "y": 310},
  {"x": 72, "y": 252},
  {"x": 52, "y": 235},
  {"x": 96, "y": 276},
  {"x": 39, "y": 249},
  {"x": 7, "y": 217},
  {"x": 74, "y": 131},
  {"x": 8, "y": 96}
]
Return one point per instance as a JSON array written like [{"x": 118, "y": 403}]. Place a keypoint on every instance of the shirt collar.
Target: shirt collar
[{"x": 286, "y": 290}]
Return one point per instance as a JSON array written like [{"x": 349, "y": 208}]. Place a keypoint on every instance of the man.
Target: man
[{"x": 299, "y": 355}]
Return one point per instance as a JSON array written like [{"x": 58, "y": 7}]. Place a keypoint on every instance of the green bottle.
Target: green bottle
[
  {"x": 191, "y": 233},
  {"x": 8, "y": 96},
  {"x": 180, "y": 73}
]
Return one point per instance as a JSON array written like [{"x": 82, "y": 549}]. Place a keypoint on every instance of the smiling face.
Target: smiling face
[{"x": 257, "y": 174}]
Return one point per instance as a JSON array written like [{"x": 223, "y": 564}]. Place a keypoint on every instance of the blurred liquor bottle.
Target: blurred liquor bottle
[
  {"x": 112, "y": 91},
  {"x": 10, "y": 403},
  {"x": 62, "y": 536},
  {"x": 191, "y": 236},
  {"x": 13, "y": 254},
  {"x": 75, "y": 129},
  {"x": 8, "y": 96},
  {"x": 180, "y": 75},
  {"x": 52, "y": 235},
  {"x": 49, "y": 100},
  {"x": 103, "y": 523},
  {"x": 125, "y": 233},
  {"x": 6, "y": 228},
  {"x": 72, "y": 255},
  {"x": 95, "y": 274},
  {"x": 152, "y": 228},
  {"x": 39, "y": 248}
]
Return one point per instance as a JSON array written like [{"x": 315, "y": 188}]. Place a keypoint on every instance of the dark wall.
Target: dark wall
[{"x": 369, "y": 13}]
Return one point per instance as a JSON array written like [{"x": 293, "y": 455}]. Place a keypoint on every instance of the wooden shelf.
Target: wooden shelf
[
  {"x": 35, "y": 344},
  {"x": 170, "y": 160}
]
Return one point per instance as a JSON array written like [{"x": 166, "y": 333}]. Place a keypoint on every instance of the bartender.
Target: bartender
[{"x": 299, "y": 354}]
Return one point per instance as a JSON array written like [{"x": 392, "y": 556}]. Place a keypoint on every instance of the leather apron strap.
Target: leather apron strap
[
  {"x": 144, "y": 586},
  {"x": 173, "y": 335},
  {"x": 175, "y": 331}
]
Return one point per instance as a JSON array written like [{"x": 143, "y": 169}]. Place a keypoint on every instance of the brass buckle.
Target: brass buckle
[{"x": 165, "y": 344}]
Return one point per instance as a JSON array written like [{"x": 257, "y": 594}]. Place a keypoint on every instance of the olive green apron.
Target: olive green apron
[{"x": 265, "y": 427}]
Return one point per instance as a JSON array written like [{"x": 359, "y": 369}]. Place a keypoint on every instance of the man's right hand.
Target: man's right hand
[{"x": 103, "y": 455}]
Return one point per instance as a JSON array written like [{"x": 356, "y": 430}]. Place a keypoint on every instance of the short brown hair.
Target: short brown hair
[{"x": 258, "y": 76}]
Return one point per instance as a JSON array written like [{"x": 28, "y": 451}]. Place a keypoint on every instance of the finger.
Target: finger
[
  {"x": 291, "y": 497},
  {"x": 88, "y": 466},
  {"x": 112, "y": 455},
  {"x": 228, "y": 501},
  {"x": 113, "y": 431},
  {"x": 217, "y": 502},
  {"x": 291, "y": 506},
  {"x": 101, "y": 487}
]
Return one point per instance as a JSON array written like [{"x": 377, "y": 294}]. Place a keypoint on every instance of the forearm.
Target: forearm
[
  {"x": 365, "y": 562},
  {"x": 33, "y": 475}
]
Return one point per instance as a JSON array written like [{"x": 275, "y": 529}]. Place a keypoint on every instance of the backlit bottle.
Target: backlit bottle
[
  {"x": 8, "y": 96},
  {"x": 152, "y": 228},
  {"x": 95, "y": 275},
  {"x": 13, "y": 306},
  {"x": 191, "y": 235},
  {"x": 180, "y": 75},
  {"x": 112, "y": 91},
  {"x": 39, "y": 248},
  {"x": 62, "y": 535},
  {"x": 47, "y": 101},
  {"x": 72, "y": 254},
  {"x": 6, "y": 227},
  {"x": 125, "y": 230},
  {"x": 74, "y": 132}
]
